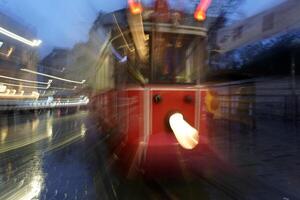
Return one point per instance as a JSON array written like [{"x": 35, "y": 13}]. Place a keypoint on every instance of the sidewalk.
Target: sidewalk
[{"x": 269, "y": 153}]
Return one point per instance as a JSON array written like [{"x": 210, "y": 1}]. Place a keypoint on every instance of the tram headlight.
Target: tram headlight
[{"x": 186, "y": 135}]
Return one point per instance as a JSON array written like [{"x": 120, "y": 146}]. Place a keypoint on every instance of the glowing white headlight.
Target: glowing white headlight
[{"x": 186, "y": 135}]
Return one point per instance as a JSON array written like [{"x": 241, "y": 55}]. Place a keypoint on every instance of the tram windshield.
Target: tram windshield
[{"x": 172, "y": 57}]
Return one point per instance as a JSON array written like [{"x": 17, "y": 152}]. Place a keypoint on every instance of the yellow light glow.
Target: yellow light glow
[
  {"x": 200, "y": 15},
  {"x": 49, "y": 128},
  {"x": 32, "y": 190},
  {"x": 33, "y": 43},
  {"x": 3, "y": 133},
  {"x": 83, "y": 130},
  {"x": 35, "y": 94},
  {"x": 186, "y": 135},
  {"x": 2, "y": 88}
]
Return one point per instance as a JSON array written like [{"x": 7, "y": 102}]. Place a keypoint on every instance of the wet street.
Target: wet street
[
  {"x": 42, "y": 156},
  {"x": 49, "y": 155}
]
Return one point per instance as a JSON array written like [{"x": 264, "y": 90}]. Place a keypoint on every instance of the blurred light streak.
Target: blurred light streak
[
  {"x": 120, "y": 58},
  {"x": 9, "y": 146},
  {"x": 34, "y": 125},
  {"x": 25, "y": 86},
  {"x": 3, "y": 132},
  {"x": 86, "y": 99},
  {"x": 34, "y": 187},
  {"x": 83, "y": 129},
  {"x": 124, "y": 39},
  {"x": 35, "y": 94},
  {"x": 29, "y": 191},
  {"x": 9, "y": 52},
  {"x": 16, "y": 96},
  {"x": 40, "y": 133},
  {"x": 200, "y": 13},
  {"x": 24, "y": 80},
  {"x": 63, "y": 143},
  {"x": 2, "y": 88},
  {"x": 54, "y": 77},
  {"x": 12, "y": 94},
  {"x": 49, "y": 128},
  {"x": 137, "y": 31},
  {"x": 59, "y": 88},
  {"x": 135, "y": 7},
  {"x": 33, "y": 43},
  {"x": 186, "y": 135}
]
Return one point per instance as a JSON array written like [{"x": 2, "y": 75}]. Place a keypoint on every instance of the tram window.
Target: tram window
[{"x": 170, "y": 60}]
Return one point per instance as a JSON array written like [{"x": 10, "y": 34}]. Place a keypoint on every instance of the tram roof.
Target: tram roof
[{"x": 186, "y": 25}]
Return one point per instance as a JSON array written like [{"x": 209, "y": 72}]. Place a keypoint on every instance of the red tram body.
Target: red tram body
[{"x": 141, "y": 119}]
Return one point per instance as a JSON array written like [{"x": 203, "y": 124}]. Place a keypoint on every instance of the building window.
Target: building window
[{"x": 1, "y": 44}]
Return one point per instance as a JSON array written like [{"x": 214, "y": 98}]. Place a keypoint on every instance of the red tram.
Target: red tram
[{"x": 155, "y": 110}]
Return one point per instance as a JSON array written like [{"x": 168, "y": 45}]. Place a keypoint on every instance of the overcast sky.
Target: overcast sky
[{"x": 63, "y": 23}]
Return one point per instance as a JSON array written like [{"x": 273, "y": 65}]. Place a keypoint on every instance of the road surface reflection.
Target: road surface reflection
[
  {"x": 40, "y": 156},
  {"x": 48, "y": 155}
]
